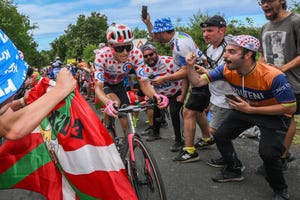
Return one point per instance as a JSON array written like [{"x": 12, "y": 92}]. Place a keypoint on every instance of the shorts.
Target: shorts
[
  {"x": 198, "y": 99},
  {"x": 118, "y": 89},
  {"x": 218, "y": 115}
]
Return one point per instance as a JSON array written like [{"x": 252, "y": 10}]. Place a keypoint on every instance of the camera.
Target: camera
[{"x": 200, "y": 62}]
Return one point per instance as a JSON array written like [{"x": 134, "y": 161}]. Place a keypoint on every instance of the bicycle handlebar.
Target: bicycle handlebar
[{"x": 132, "y": 108}]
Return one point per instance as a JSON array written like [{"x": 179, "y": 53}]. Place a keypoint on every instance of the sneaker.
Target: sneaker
[
  {"x": 147, "y": 131},
  {"x": 204, "y": 142},
  {"x": 281, "y": 195},
  {"x": 220, "y": 163},
  {"x": 152, "y": 137},
  {"x": 177, "y": 146},
  {"x": 185, "y": 157},
  {"x": 290, "y": 157},
  {"x": 227, "y": 176}
]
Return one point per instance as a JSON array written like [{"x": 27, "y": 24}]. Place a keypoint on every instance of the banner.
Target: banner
[
  {"x": 85, "y": 151},
  {"x": 26, "y": 164}
]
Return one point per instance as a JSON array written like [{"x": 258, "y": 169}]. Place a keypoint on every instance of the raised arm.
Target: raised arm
[
  {"x": 149, "y": 25},
  {"x": 194, "y": 77}
]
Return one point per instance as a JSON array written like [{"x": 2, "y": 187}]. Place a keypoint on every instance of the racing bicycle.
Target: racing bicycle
[{"x": 142, "y": 169}]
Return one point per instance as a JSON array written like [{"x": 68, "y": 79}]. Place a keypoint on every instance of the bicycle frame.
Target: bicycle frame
[
  {"x": 127, "y": 112},
  {"x": 141, "y": 167}
]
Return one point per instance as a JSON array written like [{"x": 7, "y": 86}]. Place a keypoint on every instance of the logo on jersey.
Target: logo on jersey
[
  {"x": 100, "y": 77},
  {"x": 127, "y": 67},
  {"x": 111, "y": 69},
  {"x": 142, "y": 73}
]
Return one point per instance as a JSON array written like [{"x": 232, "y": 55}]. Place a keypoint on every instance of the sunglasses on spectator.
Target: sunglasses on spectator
[
  {"x": 120, "y": 49},
  {"x": 261, "y": 2},
  {"x": 148, "y": 55}
]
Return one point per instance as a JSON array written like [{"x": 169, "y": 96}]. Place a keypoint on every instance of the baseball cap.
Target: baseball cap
[
  {"x": 215, "y": 20},
  {"x": 246, "y": 41},
  {"x": 162, "y": 25},
  {"x": 12, "y": 68},
  {"x": 148, "y": 46}
]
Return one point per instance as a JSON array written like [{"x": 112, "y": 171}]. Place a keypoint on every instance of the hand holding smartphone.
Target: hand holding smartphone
[
  {"x": 232, "y": 97},
  {"x": 144, "y": 12}
]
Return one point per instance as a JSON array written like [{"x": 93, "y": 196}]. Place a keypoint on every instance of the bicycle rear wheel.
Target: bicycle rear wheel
[{"x": 145, "y": 175}]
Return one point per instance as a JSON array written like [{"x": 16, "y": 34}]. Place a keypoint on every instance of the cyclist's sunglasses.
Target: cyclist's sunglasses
[
  {"x": 120, "y": 49},
  {"x": 261, "y": 2},
  {"x": 148, "y": 55}
]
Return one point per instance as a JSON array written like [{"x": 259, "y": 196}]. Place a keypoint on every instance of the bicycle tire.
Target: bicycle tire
[{"x": 145, "y": 175}]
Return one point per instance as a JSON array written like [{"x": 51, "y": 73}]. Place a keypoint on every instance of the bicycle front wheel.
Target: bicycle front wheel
[{"x": 145, "y": 175}]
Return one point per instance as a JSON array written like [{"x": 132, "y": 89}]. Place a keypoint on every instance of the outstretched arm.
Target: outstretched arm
[
  {"x": 147, "y": 88},
  {"x": 17, "y": 124}
]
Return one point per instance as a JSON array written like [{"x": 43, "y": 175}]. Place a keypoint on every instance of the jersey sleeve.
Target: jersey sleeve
[
  {"x": 216, "y": 74},
  {"x": 139, "y": 65},
  {"x": 99, "y": 67},
  {"x": 282, "y": 90}
]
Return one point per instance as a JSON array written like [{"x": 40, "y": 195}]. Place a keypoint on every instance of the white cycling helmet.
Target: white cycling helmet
[{"x": 118, "y": 34}]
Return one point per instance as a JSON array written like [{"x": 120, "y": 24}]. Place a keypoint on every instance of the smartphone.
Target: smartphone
[
  {"x": 144, "y": 12},
  {"x": 232, "y": 97}
]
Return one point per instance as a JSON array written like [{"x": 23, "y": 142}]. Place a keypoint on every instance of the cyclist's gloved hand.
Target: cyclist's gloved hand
[
  {"x": 111, "y": 108},
  {"x": 162, "y": 100}
]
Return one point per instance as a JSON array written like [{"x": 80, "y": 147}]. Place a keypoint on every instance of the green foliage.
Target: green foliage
[
  {"x": 18, "y": 28},
  {"x": 295, "y": 7},
  {"x": 87, "y": 30},
  {"x": 81, "y": 38},
  {"x": 140, "y": 33},
  {"x": 88, "y": 53}
]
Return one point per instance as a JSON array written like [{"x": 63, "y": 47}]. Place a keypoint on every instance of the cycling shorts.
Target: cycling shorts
[
  {"x": 118, "y": 89},
  {"x": 198, "y": 99}
]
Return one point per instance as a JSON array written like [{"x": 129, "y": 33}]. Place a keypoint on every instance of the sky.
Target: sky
[{"x": 53, "y": 16}]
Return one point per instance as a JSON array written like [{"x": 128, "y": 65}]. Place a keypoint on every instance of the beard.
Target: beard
[{"x": 271, "y": 15}]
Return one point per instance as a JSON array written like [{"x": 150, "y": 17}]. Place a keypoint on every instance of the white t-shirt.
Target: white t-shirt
[{"x": 219, "y": 88}]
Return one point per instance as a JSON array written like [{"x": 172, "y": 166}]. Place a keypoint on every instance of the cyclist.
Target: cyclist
[
  {"x": 56, "y": 67},
  {"x": 264, "y": 98},
  {"x": 113, "y": 64},
  {"x": 16, "y": 124}
]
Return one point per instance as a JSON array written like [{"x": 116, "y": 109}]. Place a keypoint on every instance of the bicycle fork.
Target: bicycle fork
[{"x": 130, "y": 143}]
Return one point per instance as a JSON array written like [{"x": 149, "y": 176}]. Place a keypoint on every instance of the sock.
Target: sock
[
  {"x": 190, "y": 150},
  {"x": 207, "y": 139},
  {"x": 134, "y": 119}
]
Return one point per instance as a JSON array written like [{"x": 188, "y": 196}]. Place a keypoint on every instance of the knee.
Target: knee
[{"x": 187, "y": 113}]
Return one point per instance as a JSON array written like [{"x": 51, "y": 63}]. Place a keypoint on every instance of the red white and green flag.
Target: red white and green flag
[
  {"x": 26, "y": 164},
  {"x": 86, "y": 154}
]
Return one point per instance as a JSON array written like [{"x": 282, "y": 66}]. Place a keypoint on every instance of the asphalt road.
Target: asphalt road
[{"x": 192, "y": 181}]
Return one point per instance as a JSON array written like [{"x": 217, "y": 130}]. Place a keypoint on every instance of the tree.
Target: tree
[
  {"x": 18, "y": 28},
  {"x": 89, "y": 30},
  {"x": 295, "y": 6},
  {"x": 88, "y": 53}
]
